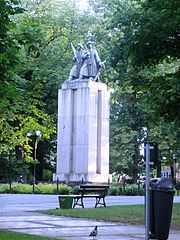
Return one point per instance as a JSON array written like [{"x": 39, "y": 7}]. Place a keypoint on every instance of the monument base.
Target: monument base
[
  {"x": 82, "y": 177},
  {"x": 83, "y": 132}
]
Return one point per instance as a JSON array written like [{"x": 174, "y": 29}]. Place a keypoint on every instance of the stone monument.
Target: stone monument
[{"x": 83, "y": 131}]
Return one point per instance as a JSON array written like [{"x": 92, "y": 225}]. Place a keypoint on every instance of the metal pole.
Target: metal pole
[
  {"x": 9, "y": 172},
  {"x": 34, "y": 170},
  {"x": 147, "y": 199},
  {"x": 57, "y": 182}
]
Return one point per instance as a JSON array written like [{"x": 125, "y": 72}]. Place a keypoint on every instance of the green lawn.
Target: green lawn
[
  {"x": 133, "y": 214},
  {"x": 6, "y": 235}
]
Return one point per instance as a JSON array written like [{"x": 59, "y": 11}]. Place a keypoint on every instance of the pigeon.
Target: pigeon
[{"x": 94, "y": 232}]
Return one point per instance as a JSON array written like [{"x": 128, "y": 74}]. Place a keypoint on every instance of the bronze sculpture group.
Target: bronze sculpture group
[{"x": 87, "y": 63}]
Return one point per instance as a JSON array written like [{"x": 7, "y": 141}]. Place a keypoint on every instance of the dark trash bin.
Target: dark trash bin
[
  {"x": 161, "y": 203},
  {"x": 65, "y": 201}
]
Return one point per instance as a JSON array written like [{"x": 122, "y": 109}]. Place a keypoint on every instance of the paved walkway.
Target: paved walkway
[{"x": 16, "y": 215}]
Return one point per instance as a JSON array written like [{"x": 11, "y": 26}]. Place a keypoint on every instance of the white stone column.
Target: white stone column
[{"x": 83, "y": 132}]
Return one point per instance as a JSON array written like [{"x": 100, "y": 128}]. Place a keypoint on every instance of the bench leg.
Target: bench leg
[
  {"x": 104, "y": 202},
  {"x": 76, "y": 202},
  {"x": 98, "y": 201},
  {"x": 82, "y": 204}
]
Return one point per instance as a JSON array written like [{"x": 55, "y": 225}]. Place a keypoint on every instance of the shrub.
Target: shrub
[
  {"x": 133, "y": 190},
  {"x": 129, "y": 190},
  {"x": 76, "y": 190},
  {"x": 113, "y": 190},
  {"x": 65, "y": 189},
  {"x": 45, "y": 188},
  {"x": 21, "y": 188},
  {"x": 47, "y": 175},
  {"x": 141, "y": 190},
  {"x": 4, "y": 188},
  {"x": 121, "y": 190}
]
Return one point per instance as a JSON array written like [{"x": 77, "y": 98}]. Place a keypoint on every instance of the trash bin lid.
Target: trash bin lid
[{"x": 162, "y": 184}]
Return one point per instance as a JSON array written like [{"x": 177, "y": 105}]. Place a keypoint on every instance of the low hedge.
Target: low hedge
[
  {"x": 21, "y": 188},
  {"x": 42, "y": 188},
  {"x": 128, "y": 190},
  {"x": 38, "y": 189},
  {"x": 45, "y": 188},
  {"x": 4, "y": 188},
  {"x": 65, "y": 189}
]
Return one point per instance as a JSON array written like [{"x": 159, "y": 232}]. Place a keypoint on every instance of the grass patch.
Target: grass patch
[
  {"x": 127, "y": 214},
  {"x": 131, "y": 214},
  {"x": 175, "y": 223},
  {"x": 6, "y": 235}
]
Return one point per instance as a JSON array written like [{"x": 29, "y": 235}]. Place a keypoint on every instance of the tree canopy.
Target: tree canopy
[
  {"x": 139, "y": 41},
  {"x": 143, "y": 52}
]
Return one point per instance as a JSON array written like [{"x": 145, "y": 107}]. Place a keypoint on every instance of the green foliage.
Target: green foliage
[
  {"x": 133, "y": 190},
  {"x": 9, "y": 59},
  {"x": 143, "y": 53},
  {"x": 47, "y": 175},
  {"x": 65, "y": 189},
  {"x": 126, "y": 129},
  {"x": 76, "y": 190},
  {"x": 4, "y": 188},
  {"x": 133, "y": 214},
  {"x": 41, "y": 188},
  {"x": 38, "y": 51},
  {"x": 138, "y": 40},
  {"x": 8, "y": 45},
  {"x": 21, "y": 188},
  {"x": 127, "y": 190},
  {"x": 157, "y": 29},
  {"x": 7, "y": 235},
  {"x": 113, "y": 191},
  {"x": 21, "y": 111},
  {"x": 45, "y": 188},
  {"x": 40, "y": 40}
]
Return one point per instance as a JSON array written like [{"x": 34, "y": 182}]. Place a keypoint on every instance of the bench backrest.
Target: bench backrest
[{"x": 89, "y": 188}]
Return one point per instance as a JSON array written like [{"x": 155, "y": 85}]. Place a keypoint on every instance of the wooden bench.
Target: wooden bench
[{"x": 86, "y": 190}]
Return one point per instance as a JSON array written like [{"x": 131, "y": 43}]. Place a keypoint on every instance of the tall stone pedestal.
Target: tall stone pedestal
[{"x": 83, "y": 132}]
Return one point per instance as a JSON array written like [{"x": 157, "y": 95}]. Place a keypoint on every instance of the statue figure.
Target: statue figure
[
  {"x": 92, "y": 65},
  {"x": 78, "y": 61}
]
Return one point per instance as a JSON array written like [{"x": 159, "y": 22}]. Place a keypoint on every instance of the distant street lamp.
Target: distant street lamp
[
  {"x": 175, "y": 165},
  {"x": 37, "y": 136}
]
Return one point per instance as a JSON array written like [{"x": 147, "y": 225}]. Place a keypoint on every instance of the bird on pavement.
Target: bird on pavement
[{"x": 94, "y": 232}]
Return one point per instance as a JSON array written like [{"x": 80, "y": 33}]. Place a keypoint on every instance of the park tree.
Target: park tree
[
  {"x": 138, "y": 40},
  {"x": 46, "y": 31},
  {"x": 42, "y": 34},
  {"x": 9, "y": 59},
  {"x": 160, "y": 75},
  {"x": 126, "y": 121},
  {"x": 143, "y": 53}
]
